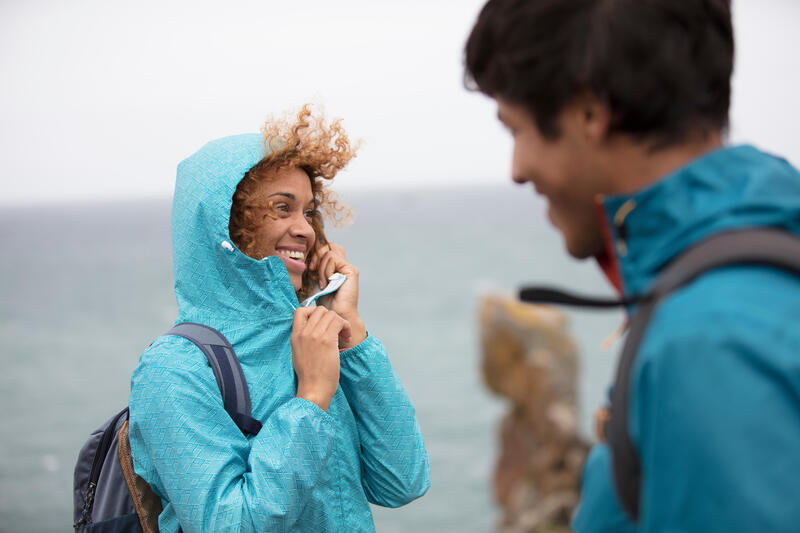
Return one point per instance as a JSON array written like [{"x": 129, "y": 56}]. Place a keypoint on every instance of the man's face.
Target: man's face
[{"x": 561, "y": 170}]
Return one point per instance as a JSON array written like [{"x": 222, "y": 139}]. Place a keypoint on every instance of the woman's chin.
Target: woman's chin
[{"x": 295, "y": 270}]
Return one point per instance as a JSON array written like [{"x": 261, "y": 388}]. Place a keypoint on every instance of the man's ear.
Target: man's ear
[{"x": 593, "y": 115}]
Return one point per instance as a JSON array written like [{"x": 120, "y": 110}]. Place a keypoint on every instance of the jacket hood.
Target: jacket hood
[
  {"x": 733, "y": 187},
  {"x": 215, "y": 282}
]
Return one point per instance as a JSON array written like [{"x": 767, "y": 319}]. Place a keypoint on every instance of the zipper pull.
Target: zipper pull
[{"x": 619, "y": 221}]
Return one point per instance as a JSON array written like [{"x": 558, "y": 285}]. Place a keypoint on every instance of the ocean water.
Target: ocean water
[{"x": 84, "y": 288}]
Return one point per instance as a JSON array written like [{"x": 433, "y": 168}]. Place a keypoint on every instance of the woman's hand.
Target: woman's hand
[
  {"x": 330, "y": 258},
  {"x": 315, "y": 353}
]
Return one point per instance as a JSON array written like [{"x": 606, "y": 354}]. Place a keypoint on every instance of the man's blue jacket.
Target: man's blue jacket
[
  {"x": 307, "y": 470},
  {"x": 715, "y": 392}
]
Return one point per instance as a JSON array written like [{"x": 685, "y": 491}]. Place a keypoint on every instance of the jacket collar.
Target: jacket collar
[{"x": 729, "y": 188}]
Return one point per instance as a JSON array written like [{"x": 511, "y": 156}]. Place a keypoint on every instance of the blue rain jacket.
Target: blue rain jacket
[
  {"x": 307, "y": 470},
  {"x": 715, "y": 393}
]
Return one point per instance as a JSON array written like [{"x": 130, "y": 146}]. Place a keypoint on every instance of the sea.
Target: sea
[{"x": 85, "y": 288}]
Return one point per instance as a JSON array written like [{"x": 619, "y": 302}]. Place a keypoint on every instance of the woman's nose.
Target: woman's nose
[{"x": 301, "y": 227}]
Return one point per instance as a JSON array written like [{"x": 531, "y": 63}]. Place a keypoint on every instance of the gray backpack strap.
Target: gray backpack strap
[
  {"x": 227, "y": 371},
  {"x": 771, "y": 247}
]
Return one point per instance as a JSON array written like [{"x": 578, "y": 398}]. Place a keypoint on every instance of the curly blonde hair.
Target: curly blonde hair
[{"x": 309, "y": 144}]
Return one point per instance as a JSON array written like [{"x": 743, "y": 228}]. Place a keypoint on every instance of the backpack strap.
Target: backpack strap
[
  {"x": 227, "y": 371},
  {"x": 771, "y": 247},
  {"x": 145, "y": 501},
  {"x": 762, "y": 246}
]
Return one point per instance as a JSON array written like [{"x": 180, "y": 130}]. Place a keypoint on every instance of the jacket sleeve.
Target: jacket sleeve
[
  {"x": 599, "y": 510},
  {"x": 395, "y": 466},
  {"x": 715, "y": 417},
  {"x": 214, "y": 477}
]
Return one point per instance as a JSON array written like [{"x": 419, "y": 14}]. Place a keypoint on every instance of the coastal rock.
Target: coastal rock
[{"x": 529, "y": 359}]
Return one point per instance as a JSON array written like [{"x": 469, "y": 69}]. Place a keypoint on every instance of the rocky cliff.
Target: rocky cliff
[{"x": 529, "y": 359}]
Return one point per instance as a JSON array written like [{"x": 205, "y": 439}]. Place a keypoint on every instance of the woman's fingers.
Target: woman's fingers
[
  {"x": 301, "y": 315},
  {"x": 317, "y": 261},
  {"x": 339, "y": 327},
  {"x": 327, "y": 260},
  {"x": 315, "y": 258},
  {"x": 320, "y": 322},
  {"x": 335, "y": 327},
  {"x": 338, "y": 250},
  {"x": 325, "y": 269},
  {"x": 315, "y": 355},
  {"x": 306, "y": 319}
]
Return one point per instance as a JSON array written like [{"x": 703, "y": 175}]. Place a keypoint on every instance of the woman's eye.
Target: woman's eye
[{"x": 309, "y": 213}]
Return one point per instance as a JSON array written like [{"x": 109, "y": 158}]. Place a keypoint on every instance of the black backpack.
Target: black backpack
[
  {"x": 108, "y": 495},
  {"x": 772, "y": 247}
]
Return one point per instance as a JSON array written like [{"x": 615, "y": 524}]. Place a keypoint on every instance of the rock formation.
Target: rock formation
[{"x": 529, "y": 359}]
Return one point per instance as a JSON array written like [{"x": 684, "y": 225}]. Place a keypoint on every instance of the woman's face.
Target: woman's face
[{"x": 285, "y": 228}]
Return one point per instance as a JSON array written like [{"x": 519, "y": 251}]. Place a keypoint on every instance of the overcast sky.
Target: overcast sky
[{"x": 101, "y": 99}]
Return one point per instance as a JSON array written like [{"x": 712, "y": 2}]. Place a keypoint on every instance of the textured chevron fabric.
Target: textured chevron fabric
[{"x": 307, "y": 470}]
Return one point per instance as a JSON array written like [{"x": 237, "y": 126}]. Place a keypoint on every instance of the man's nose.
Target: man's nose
[{"x": 517, "y": 176}]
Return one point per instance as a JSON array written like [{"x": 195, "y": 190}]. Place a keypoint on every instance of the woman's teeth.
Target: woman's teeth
[{"x": 300, "y": 256}]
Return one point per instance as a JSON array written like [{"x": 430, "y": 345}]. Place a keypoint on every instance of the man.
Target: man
[{"x": 618, "y": 110}]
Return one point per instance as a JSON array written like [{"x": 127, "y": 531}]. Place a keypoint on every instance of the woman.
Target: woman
[{"x": 338, "y": 429}]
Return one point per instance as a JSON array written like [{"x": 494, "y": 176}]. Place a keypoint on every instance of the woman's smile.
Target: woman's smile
[{"x": 293, "y": 257}]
